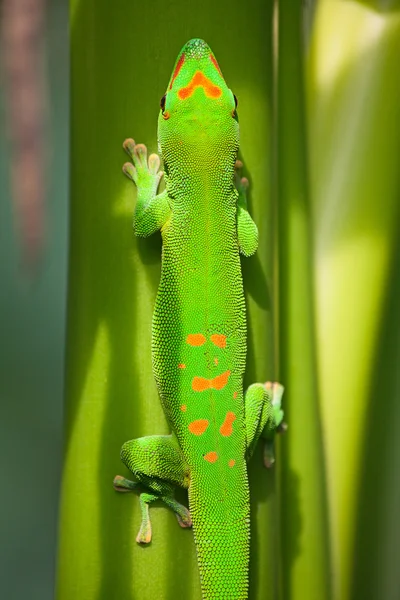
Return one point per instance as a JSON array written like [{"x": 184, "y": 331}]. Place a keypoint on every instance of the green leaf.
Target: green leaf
[{"x": 121, "y": 60}]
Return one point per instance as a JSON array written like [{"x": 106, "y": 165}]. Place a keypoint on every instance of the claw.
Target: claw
[
  {"x": 124, "y": 485},
  {"x": 154, "y": 163},
  {"x": 140, "y": 155},
  {"x": 184, "y": 518},
  {"x": 275, "y": 392},
  {"x": 128, "y": 146},
  {"x": 129, "y": 171},
  {"x": 144, "y": 535},
  {"x": 282, "y": 427},
  {"x": 269, "y": 456}
]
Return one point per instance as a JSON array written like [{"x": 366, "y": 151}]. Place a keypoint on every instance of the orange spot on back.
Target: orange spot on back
[
  {"x": 211, "y": 457},
  {"x": 219, "y": 340},
  {"x": 177, "y": 69},
  {"x": 198, "y": 427},
  {"x": 235, "y": 395},
  {"x": 183, "y": 408},
  {"x": 231, "y": 463},
  {"x": 220, "y": 381},
  {"x": 195, "y": 339},
  {"x": 200, "y": 80},
  {"x": 215, "y": 361},
  {"x": 199, "y": 384},
  {"x": 226, "y": 427},
  {"x": 181, "y": 366}
]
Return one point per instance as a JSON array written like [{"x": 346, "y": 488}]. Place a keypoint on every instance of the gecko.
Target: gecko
[{"x": 199, "y": 325}]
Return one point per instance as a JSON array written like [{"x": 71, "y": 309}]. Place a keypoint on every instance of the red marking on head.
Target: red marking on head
[
  {"x": 216, "y": 65},
  {"x": 181, "y": 366},
  {"x": 215, "y": 361},
  {"x": 235, "y": 395},
  {"x": 219, "y": 340},
  {"x": 220, "y": 381},
  {"x": 183, "y": 408},
  {"x": 195, "y": 339},
  {"x": 177, "y": 69},
  {"x": 211, "y": 457},
  {"x": 226, "y": 427},
  {"x": 199, "y": 384},
  {"x": 231, "y": 463},
  {"x": 198, "y": 427},
  {"x": 200, "y": 80}
]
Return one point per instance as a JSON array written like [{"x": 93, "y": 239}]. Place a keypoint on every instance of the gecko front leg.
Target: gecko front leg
[{"x": 152, "y": 211}]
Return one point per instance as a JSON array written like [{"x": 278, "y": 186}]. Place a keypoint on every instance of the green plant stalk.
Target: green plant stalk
[
  {"x": 354, "y": 124},
  {"x": 120, "y": 63},
  {"x": 304, "y": 533}
]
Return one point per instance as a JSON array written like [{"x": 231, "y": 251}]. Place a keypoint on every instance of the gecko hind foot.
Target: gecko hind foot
[
  {"x": 124, "y": 485},
  {"x": 181, "y": 512},
  {"x": 275, "y": 390},
  {"x": 145, "y": 533}
]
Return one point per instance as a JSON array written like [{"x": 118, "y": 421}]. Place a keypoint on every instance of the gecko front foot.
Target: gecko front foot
[{"x": 143, "y": 172}]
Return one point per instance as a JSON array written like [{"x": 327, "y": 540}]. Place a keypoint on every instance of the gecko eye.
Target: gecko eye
[
  {"x": 234, "y": 113},
  {"x": 162, "y": 102}
]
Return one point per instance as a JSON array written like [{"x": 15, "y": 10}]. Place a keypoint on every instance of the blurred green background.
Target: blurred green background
[{"x": 32, "y": 334}]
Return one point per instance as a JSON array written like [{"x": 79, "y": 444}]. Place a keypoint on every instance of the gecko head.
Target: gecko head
[{"x": 198, "y": 111}]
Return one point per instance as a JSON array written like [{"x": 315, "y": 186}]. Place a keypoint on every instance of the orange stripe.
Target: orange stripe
[
  {"x": 226, "y": 428},
  {"x": 199, "y": 384},
  {"x": 177, "y": 69},
  {"x": 219, "y": 340},
  {"x": 198, "y": 427},
  {"x": 216, "y": 65},
  {"x": 200, "y": 80},
  {"x": 195, "y": 339},
  {"x": 211, "y": 457},
  {"x": 220, "y": 381}
]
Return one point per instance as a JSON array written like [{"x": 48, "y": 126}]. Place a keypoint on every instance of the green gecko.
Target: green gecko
[{"x": 199, "y": 325}]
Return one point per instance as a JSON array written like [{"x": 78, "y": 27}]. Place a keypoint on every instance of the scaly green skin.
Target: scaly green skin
[{"x": 199, "y": 325}]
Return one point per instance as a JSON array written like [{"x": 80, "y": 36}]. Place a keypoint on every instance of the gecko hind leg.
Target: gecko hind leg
[
  {"x": 264, "y": 417},
  {"x": 158, "y": 465}
]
